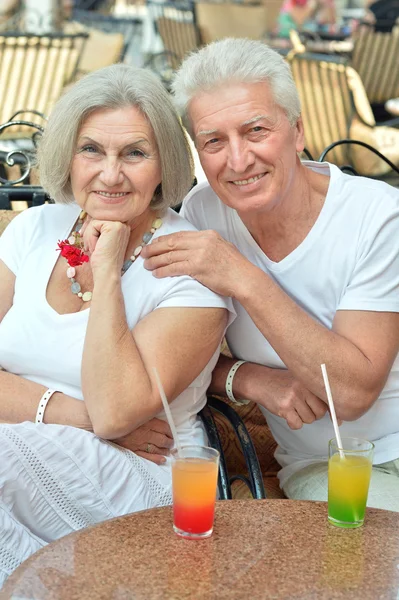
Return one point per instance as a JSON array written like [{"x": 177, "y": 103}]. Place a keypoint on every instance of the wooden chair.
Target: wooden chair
[
  {"x": 34, "y": 69},
  {"x": 176, "y": 24},
  {"x": 334, "y": 107},
  {"x": 376, "y": 58},
  {"x": 220, "y": 20},
  {"x": 128, "y": 27}
]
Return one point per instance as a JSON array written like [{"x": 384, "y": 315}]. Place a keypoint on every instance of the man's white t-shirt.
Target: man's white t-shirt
[{"x": 348, "y": 261}]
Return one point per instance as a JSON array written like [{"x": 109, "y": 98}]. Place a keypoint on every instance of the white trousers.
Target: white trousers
[
  {"x": 311, "y": 483},
  {"x": 56, "y": 479}
]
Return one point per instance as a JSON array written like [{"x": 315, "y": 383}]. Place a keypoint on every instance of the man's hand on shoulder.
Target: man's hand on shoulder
[{"x": 203, "y": 255}]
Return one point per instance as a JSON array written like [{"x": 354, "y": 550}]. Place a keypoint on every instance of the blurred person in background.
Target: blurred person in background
[{"x": 305, "y": 15}]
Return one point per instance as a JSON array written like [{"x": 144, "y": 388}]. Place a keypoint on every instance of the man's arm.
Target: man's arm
[
  {"x": 358, "y": 351},
  {"x": 274, "y": 389}
]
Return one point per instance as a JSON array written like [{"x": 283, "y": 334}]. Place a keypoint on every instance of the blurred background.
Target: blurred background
[{"x": 343, "y": 54}]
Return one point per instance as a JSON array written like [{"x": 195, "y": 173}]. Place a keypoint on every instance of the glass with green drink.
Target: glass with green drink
[{"x": 349, "y": 472}]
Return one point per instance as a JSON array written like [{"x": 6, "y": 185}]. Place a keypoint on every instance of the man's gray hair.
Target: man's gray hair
[
  {"x": 115, "y": 87},
  {"x": 235, "y": 60}
]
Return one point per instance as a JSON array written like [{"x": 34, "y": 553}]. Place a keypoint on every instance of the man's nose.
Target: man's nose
[
  {"x": 240, "y": 157},
  {"x": 111, "y": 172}
]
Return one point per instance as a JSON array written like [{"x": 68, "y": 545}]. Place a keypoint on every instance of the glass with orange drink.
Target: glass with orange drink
[{"x": 194, "y": 483}]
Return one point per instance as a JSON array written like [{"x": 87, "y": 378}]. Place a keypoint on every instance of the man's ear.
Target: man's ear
[{"x": 299, "y": 135}]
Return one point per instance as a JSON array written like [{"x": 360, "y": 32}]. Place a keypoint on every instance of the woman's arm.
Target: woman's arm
[
  {"x": 19, "y": 399},
  {"x": 117, "y": 369}
]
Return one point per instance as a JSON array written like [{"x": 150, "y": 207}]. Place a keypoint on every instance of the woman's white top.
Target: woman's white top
[{"x": 44, "y": 346}]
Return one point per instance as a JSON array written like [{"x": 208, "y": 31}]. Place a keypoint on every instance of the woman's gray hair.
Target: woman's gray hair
[
  {"x": 235, "y": 60},
  {"x": 114, "y": 87}
]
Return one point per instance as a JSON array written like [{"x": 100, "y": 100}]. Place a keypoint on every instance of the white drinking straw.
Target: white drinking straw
[
  {"x": 167, "y": 411},
  {"x": 332, "y": 410}
]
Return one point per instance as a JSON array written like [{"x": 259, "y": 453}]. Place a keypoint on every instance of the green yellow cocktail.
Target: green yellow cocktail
[{"x": 349, "y": 473}]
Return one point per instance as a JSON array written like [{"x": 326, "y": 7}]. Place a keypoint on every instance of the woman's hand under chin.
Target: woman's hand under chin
[{"x": 106, "y": 243}]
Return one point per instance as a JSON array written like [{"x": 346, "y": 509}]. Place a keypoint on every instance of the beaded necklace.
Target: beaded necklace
[{"x": 72, "y": 250}]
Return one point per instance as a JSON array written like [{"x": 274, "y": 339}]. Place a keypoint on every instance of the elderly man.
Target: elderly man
[{"x": 309, "y": 256}]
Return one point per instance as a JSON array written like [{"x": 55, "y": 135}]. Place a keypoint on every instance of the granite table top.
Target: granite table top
[{"x": 272, "y": 549}]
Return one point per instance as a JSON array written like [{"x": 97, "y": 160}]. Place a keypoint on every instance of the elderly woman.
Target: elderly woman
[
  {"x": 82, "y": 323},
  {"x": 309, "y": 256}
]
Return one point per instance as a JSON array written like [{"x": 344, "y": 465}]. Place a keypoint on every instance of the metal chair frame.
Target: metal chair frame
[
  {"x": 255, "y": 481},
  {"x": 348, "y": 141},
  {"x": 12, "y": 190},
  {"x": 33, "y": 195},
  {"x": 224, "y": 488}
]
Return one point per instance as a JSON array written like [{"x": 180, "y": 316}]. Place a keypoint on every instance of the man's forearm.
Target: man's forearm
[
  {"x": 242, "y": 383},
  {"x": 19, "y": 399},
  {"x": 251, "y": 381},
  {"x": 303, "y": 345}
]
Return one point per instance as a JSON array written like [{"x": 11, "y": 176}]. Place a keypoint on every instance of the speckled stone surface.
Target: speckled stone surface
[{"x": 272, "y": 549}]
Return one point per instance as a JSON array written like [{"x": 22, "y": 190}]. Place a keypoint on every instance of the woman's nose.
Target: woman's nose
[{"x": 111, "y": 173}]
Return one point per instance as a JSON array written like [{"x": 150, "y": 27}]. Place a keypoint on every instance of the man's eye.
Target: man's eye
[
  {"x": 213, "y": 141},
  {"x": 256, "y": 129}
]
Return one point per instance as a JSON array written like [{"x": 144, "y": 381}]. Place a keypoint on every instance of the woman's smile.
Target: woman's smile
[
  {"x": 111, "y": 197},
  {"x": 116, "y": 167}
]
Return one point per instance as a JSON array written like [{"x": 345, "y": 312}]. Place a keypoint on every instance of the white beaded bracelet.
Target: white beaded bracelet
[
  {"x": 42, "y": 405},
  {"x": 229, "y": 383}
]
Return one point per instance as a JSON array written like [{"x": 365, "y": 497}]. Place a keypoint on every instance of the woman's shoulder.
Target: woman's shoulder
[
  {"x": 44, "y": 214},
  {"x": 34, "y": 225},
  {"x": 173, "y": 222}
]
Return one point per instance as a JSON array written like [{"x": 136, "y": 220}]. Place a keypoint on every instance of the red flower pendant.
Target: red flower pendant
[{"x": 73, "y": 255}]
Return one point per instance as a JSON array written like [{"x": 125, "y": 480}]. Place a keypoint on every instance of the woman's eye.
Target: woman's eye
[
  {"x": 89, "y": 148},
  {"x": 136, "y": 153}
]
